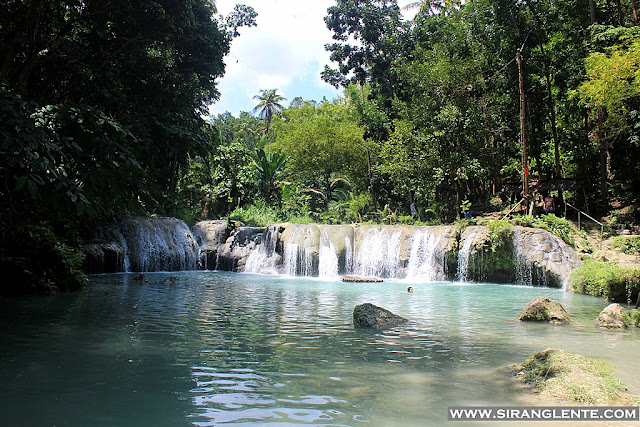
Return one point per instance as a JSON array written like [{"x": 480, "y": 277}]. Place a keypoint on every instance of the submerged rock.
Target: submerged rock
[
  {"x": 612, "y": 317},
  {"x": 371, "y": 316},
  {"x": 361, "y": 279},
  {"x": 542, "y": 309}
]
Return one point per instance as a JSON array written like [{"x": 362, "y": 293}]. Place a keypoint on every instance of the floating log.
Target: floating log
[{"x": 361, "y": 279}]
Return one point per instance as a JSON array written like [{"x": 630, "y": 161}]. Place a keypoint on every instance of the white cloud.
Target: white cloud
[
  {"x": 285, "y": 52},
  {"x": 287, "y": 46}
]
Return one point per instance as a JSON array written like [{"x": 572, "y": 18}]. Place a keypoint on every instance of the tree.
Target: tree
[
  {"x": 103, "y": 104},
  {"x": 613, "y": 78},
  {"x": 269, "y": 106},
  {"x": 379, "y": 34},
  {"x": 323, "y": 143}
]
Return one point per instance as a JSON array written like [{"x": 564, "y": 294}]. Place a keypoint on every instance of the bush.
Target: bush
[
  {"x": 558, "y": 226},
  {"x": 35, "y": 260},
  {"x": 606, "y": 280},
  {"x": 257, "y": 215},
  {"x": 629, "y": 245}
]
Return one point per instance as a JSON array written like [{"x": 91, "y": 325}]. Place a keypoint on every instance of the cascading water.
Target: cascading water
[
  {"x": 378, "y": 254},
  {"x": 425, "y": 262},
  {"x": 300, "y": 253},
  {"x": 348, "y": 267},
  {"x": 327, "y": 257},
  {"x": 265, "y": 259},
  {"x": 463, "y": 257},
  {"x": 415, "y": 253},
  {"x": 158, "y": 244},
  {"x": 523, "y": 273}
]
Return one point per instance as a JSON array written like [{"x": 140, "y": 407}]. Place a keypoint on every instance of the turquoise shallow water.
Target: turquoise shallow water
[{"x": 243, "y": 349}]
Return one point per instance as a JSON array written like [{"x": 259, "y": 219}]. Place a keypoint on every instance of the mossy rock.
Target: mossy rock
[
  {"x": 632, "y": 317},
  {"x": 542, "y": 309},
  {"x": 371, "y": 316},
  {"x": 611, "y": 317},
  {"x": 614, "y": 316},
  {"x": 564, "y": 376}
]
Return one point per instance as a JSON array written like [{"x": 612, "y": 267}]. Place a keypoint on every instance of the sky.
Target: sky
[{"x": 285, "y": 52}]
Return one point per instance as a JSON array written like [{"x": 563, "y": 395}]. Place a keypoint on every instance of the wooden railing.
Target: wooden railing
[{"x": 567, "y": 204}]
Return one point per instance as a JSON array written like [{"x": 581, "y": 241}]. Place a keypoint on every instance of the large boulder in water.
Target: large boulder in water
[
  {"x": 542, "y": 309},
  {"x": 612, "y": 317},
  {"x": 371, "y": 316}
]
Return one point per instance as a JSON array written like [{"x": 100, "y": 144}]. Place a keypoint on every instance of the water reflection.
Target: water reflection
[{"x": 222, "y": 348}]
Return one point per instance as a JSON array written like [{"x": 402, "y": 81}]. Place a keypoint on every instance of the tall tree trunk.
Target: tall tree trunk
[
  {"x": 635, "y": 12},
  {"x": 592, "y": 11},
  {"x": 554, "y": 132},
  {"x": 523, "y": 129},
  {"x": 619, "y": 7},
  {"x": 602, "y": 148}
]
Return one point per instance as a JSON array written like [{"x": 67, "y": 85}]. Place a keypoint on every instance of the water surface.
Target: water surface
[{"x": 245, "y": 349}]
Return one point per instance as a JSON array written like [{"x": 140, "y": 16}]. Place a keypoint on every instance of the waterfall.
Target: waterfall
[
  {"x": 463, "y": 257},
  {"x": 298, "y": 260},
  {"x": 523, "y": 273},
  {"x": 328, "y": 258},
  {"x": 158, "y": 244},
  {"x": 425, "y": 262},
  {"x": 265, "y": 259},
  {"x": 348, "y": 262},
  {"x": 378, "y": 254},
  {"x": 300, "y": 253}
]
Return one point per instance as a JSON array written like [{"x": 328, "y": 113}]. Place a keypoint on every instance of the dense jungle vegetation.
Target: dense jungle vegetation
[{"x": 102, "y": 107}]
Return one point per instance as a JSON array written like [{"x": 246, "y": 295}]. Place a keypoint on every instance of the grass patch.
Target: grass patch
[
  {"x": 606, "y": 280},
  {"x": 566, "y": 376},
  {"x": 630, "y": 245}
]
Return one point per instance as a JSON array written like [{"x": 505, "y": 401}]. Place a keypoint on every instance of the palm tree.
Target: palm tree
[{"x": 268, "y": 106}]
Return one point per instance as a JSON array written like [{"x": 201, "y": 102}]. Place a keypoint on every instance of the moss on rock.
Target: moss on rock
[
  {"x": 564, "y": 376},
  {"x": 542, "y": 309}
]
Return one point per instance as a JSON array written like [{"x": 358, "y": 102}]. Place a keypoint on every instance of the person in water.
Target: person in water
[{"x": 409, "y": 290}]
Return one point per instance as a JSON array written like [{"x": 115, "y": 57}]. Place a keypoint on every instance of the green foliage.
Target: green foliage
[
  {"x": 269, "y": 106},
  {"x": 257, "y": 215},
  {"x": 500, "y": 231},
  {"x": 270, "y": 170},
  {"x": 35, "y": 260},
  {"x": 570, "y": 376},
  {"x": 260, "y": 214},
  {"x": 628, "y": 244},
  {"x": 558, "y": 226},
  {"x": 606, "y": 280},
  {"x": 326, "y": 150},
  {"x": 631, "y": 317},
  {"x": 101, "y": 110}
]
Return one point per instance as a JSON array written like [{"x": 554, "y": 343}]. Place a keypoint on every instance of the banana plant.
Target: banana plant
[{"x": 270, "y": 171}]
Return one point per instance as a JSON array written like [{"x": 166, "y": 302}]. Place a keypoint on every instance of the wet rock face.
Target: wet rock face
[
  {"x": 542, "y": 309},
  {"x": 210, "y": 236},
  {"x": 371, "y": 316},
  {"x": 233, "y": 255},
  {"x": 551, "y": 258},
  {"x": 612, "y": 317}
]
